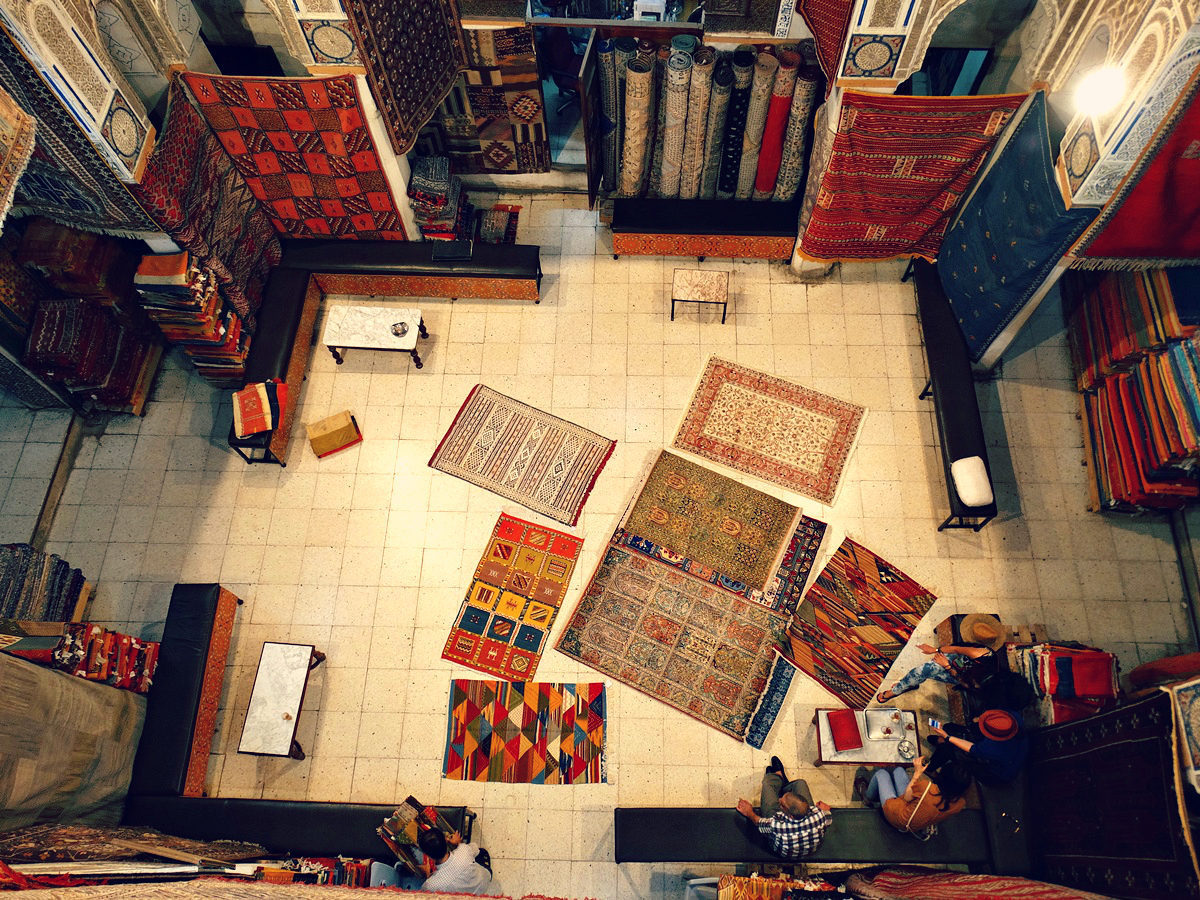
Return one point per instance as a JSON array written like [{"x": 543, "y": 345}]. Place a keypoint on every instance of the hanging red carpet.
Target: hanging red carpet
[
  {"x": 510, "y": 606},
  {"x": 303, "y": 146},
  {"x": 854, "y": 621},
  {"x": 828, "y": 20},
  {"x": 413, "y": 51},
  {"x": 899, "y": 168},
  {"x": 526, "y": 732}
]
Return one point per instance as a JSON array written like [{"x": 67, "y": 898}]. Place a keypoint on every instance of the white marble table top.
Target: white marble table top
[
  {"x": 275, "y": 700},
  {"x": 369, "y": 327},
  {"x": 878, "y": 747},
  {"x": 700, "y": 285}
]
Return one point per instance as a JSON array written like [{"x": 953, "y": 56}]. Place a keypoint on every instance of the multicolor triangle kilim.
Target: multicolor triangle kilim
[
  {"x": 518, "y": 586},
  {"x": 525, "y": 732}
]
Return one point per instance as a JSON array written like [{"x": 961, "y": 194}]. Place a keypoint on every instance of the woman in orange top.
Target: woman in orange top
[{"x": 931, "y": 796}]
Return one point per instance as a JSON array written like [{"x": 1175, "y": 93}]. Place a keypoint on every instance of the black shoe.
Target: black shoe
[
  {"x": 777, "y": 766},
  {"x": 862, "y": 778}
]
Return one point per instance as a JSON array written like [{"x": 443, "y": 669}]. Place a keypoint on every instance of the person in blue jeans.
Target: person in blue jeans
[{"x": 984, "y": 635}]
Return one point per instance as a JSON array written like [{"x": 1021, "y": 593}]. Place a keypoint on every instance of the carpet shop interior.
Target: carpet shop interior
[{"x": 734, "y": 449}]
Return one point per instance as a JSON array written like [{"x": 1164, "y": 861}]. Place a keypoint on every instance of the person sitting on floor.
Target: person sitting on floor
[
  {"x": 994, "y": 749},
  {"x": 460, "y": 867},
  {"x": 791, "y": 823},
  {"x": 933, "y": 794},
  {"x": 966, "y": 664}
]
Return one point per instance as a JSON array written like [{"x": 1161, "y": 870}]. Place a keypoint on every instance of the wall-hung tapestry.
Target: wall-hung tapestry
[
  {"x": 16, "y": 146},
  {"x": 899, "y": 169},
  {"x": 413, "y": 51},
  {"x": 828, "y": 20},
  {"x": 66, "y": 180},
  {"x": 196, "y": 195},
  {"x": 494, "y": 119},
  {"x": 303, "y": 146}
]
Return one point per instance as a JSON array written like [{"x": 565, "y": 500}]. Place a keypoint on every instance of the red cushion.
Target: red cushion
[
  {"x": 843, "y": 726},
  {"x": 1166, "y": 670}
]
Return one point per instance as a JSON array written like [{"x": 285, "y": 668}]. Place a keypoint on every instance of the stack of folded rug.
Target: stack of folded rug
[{"x": 443, "y": 212}]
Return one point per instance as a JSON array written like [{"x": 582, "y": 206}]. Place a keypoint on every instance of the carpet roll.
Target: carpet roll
[
  {"x": 770, "y": 154},
  {"x": 658, "y": 121},
  {"x": 679, "y": 79},
  {"x": 822, "y": 152},
  {"x": 718, "y": 106},
  {"x": 685, "y": 42},
  {"x": 639, "y": 83},
  {"x": 606, "y": 60},
  {"x": 735, "y": 121},
  {"x": 699, "y": 93},
  {"x": 795, "y": 139},
  {"x": 624, "y": 49},
  {"x": 765, "y": 68}
]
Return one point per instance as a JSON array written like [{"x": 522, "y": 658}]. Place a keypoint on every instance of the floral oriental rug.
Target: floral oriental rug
[
  {"x": 773, "y": 429},
  {"x": 304, "y": 147},
  {"x": 16, "y": 146},
  {"x": 703, "y": 650},
  {"x": 898, "y": 170},
  {"x": 526, "y": 732},
  {"x": 857, "y": 616},
  {"x": 541, "y": 461},
  {"x": 716, "y": 521},
  {"x": 510, "y": 606}
]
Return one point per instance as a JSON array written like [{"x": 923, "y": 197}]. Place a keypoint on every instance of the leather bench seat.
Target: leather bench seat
[
  {"x": 717, "y": 217},
  {"x": 284, "y": 827},
  {"x": 952, "y": 384},
  {"x": 278, "y": 321},
  {"x": 410, "y": 258},
  {"x": 723, "y": 835}
]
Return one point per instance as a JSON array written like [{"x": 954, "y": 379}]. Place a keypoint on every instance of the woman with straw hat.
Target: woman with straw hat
[{"x": 960, "y": 664}]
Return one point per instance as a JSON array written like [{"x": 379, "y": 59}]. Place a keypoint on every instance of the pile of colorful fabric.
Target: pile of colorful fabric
[
  {"x": 258, "y": 407},
  {"x": 1070, "y": 682},
  {"x": 443, "y": 212},
  {"x": 81, "y": 344},
  {"x": 183, "y": 299},
  {"x": 38, "y": 586},
  {"x": 97, "y": 654},
  {"x": 80, "y": 263}
]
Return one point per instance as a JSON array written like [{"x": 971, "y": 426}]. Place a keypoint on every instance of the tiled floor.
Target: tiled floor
[
  {"x": 366, "y": 554},
  {"x": 30, "y": 444}
]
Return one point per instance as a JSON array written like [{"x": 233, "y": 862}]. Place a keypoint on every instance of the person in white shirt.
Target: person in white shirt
[{"x": 457, "y": 863}]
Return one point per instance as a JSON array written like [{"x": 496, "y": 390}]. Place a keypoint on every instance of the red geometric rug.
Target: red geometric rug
[
  {"x": 770, "y": 428},
  {"x": 854, "y": 621},
  {"x": 510, "y": 606},
  {"x": 497, "y": 225},
  {"x": 304, "y": 148},
  {"x": 899, "y": 168}
]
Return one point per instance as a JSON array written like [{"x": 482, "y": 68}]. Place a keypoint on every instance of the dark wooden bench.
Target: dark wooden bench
[
  {"x": 952, "y": 386},
  {"x": 311, "y": 269},
  {"x": 737, "y": 229},
  {"x": 858, "y": 835}
]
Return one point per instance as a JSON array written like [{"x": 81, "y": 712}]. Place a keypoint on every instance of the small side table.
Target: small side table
[
  {"x": 274, "y": 711},
  {"x": 373, "y": 328},
  {"x": 700, "y": 286},
  {"x": 879, "y": 748}
]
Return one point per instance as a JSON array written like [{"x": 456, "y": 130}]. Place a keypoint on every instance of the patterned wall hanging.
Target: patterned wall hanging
[
  {"x": 196, "y": 195},
  {"x": 494, "y": 119},
  {"x": 66, "y": 180},
  {"x": 304, "y": 148},
  {"x": 828, "y": 20},
  {"x": 16, "y": 147},
  {"x": 510, "y": 606},
  {"x": 413, "y": 51},
  {"x": 898, "y": 170}
]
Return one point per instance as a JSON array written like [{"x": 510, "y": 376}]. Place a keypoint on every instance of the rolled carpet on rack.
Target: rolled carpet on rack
[
  {"x": 718, "y": 107},
  {"x": 699, "y": 92},
  {"x": 795, "y": 140},
  {"x": 624, "y": 49},
  {"x": 639, "y": 82},
  {"x": 679, "y": 79},
  {"x": 770, "y": 154},
  {"x": 735, "y": 121},
  {"x": 607, "y": 67},
  {"x": 658, "y": 120},
  {"x": 765, "y": 68},
  {"x": 685, "y": 42}
]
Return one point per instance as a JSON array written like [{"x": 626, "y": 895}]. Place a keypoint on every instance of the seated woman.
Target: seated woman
[
  {"x": 994, "y": 747},
  {"x": 958, "y": 664},
  {"x": 934, "y": 793}
]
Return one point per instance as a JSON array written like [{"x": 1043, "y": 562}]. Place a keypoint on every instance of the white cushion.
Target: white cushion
[{"x": 971, "y": 481}]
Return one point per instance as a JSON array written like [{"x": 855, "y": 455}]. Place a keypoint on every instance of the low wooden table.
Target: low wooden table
[
  {"x": 877, "y": 749},
  {"x": 700, "y": 286},
  {"x": 275, "y": 700},
  {"x": 373, "y": 328}
]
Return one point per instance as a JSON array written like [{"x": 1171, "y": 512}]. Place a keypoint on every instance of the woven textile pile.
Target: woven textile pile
[
  {"x": 36, "y": 585},
  {"x": 443, "y": 212}
]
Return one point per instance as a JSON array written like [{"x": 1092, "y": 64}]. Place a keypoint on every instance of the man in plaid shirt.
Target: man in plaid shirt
[{"x": 791, "y": 823}]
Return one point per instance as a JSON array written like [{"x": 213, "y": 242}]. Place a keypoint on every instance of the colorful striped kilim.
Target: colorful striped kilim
[
  {"x": 856, "y": 618},
  {"x": 511, "y": 604},
  {"x": 526, "y": 732},
  {"x": 899, "y": 168}
]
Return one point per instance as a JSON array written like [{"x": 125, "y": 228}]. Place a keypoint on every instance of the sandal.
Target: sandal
[{"x": 882, "y": 699}]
